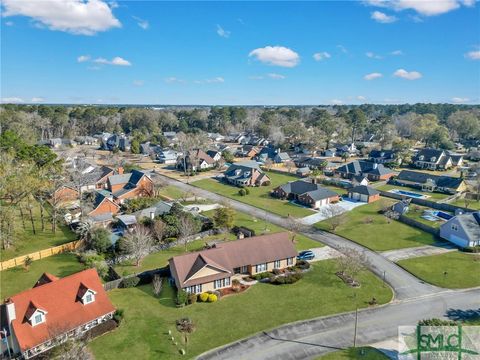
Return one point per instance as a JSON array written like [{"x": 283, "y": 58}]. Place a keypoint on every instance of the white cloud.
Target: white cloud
[
  {"x": 12, "y": 100},
  {"x": 383, "y": 18},
  {"x": 409, "y": 75},
  {"x": 83, "y": 58},
  {"x": 117, "y": 60},
  {"x": 138, "y": 82},
  {"x": 276, "y": 55},
  {"x": 222, "y": 32},
  {"x": 9, "y": 23},
  {"x": 74, "y": 16},
  {"x": 342, "y": 48},
  {"x": 173, "y": 79},
  {"x": 321, "y": 56},
  {"x": 361, "y": 98},
  {"x": 336, "y": 102},
  {"x": 473, "y": 55},
  {"x": 422, "y": 7},
  {"x": 372, "y": 55},
  {"x": 373, "y": 76},
  {"x": 217, "y": 79},
  {"x": 37, "y": 100},
  {"x": 276, "y": 76},
  {"x": 459, "y": 100},
  {"x": 256, "y": 77},
  {"x": 396, "y": 53},
  {"x": 144, "y": 24}
]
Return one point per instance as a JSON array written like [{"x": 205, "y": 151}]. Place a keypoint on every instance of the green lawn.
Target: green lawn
[
  {"x": 160, "y": 258},
  {"x": 365, "y": 353},
  {"x": 472, "y": 204},
  {"x": 259, "y": 196},
  {"x": 380, "y": 234},
  {"x": 433, "y": 196},
  {"x": 171, "y": 192},
  {"x": 18, "y": 279},
  {"x": 462, "y": 269},
  {"x": 143, "y": 334},
  {"x": 26, "y": 242}
]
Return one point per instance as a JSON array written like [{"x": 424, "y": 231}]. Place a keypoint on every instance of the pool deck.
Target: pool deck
[{"x": 409, "y": 194}]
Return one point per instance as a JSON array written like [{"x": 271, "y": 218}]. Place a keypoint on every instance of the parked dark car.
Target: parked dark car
[{"x": 306, "y": 255}]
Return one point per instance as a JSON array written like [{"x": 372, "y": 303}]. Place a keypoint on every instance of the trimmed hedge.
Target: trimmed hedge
[
  {"x": 288, "y": 279},
  {"x": 130, "y": 282}
]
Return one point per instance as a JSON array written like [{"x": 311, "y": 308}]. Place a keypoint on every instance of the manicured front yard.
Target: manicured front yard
[
  {"x": 259, "y": 196},
  {"x": 463, "y": 269},
  {"x": 160, "y": 259},
  {"x": 144, "y": 332},
  {"x": 432, "y": 196},
  {"x": 171, "y": 192},
  {"x": 365, "y": 353},
  {"x": 18, "y": 279},
  {"x": 25, "y": 242},
  {"x": 380, "y": 234}
]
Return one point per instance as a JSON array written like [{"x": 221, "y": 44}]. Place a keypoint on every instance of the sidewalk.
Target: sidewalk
[{"x": 402, "y": 254}]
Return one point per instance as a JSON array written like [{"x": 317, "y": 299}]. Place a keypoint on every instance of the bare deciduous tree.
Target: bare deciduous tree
[
  {"x": 138, "y": 243},
  {"x": 186, "y": 327},
  {"x": 157, "y": 284},
  {"x": 335, "y": 215},
  {"x": 186, "y": 227},
  {"x": 158, "y": 230},
  {"x": 294, "y": 226},
  {"x": 352, "y": 262}
]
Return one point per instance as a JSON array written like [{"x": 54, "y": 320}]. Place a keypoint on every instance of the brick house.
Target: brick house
[
  {"x": 64, "y": 195},
  {"x": 53, "y": 311},
  {"x": 306, "y": 193},
  {"x": 104, "y": 204},
  {"x": 364, "y": 193},
  {"x": 214, "y": 268},
  {"x": 246, "y": 173},
  {"x": 130, "y": 185}
]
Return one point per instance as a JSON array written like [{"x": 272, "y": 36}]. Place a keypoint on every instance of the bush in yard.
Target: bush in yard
[
  {"x": 212, "y": 298},
  {"x": 192, "y": 298},
  {"x": 182, "y": 298},
  {"x": 130, "y": 282},
  {"x": 302, "y": 264},
  {"x": 100, "y": 240},
  {"x": 266, "y": 183},
  {"x": 242, "y": 192},
  {"x": 247, "y": 191},
  {"x": 203, "y": 297},
  {"x": 118, "y": 316},
  {"x": 288, "y": 279},
  {"x": 261, "y": 276}
]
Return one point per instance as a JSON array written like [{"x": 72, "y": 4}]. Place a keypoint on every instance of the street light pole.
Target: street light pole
[
  {"x": 384, "y": 272},
  {"x": 356, "y": 321}
]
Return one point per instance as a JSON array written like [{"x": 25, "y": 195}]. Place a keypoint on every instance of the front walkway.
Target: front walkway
[
  {"x": 402, "y": 254},
  {"x": 346, "y": 205}
]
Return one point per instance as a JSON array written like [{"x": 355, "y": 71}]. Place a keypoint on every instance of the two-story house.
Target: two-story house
[
  {"x": 246, "y": 173},
  {"x": 436, "y": 159}
]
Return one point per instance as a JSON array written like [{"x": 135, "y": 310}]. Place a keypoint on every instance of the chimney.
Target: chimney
[
  {"x": 374, "y": 165},
  {"x": 120, "y": 170},
  {"x": 240, "y": 235},
  {"x": 152, "y": 215},
  {"x": 11, "y": 314}
]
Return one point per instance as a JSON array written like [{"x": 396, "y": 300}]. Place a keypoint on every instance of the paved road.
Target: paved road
[
  {"x": 404, "y": 284},
  {"x": 312, "y": 338}
]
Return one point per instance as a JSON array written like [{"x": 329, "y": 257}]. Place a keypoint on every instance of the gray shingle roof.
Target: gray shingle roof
[
  {"x": 300, "y": 187},
  {"x": 364, "y": 190},
  {"x": 364, "y": 167},
  {"x": 471, "y": 224},
  {"x": 421, "y": 178}
]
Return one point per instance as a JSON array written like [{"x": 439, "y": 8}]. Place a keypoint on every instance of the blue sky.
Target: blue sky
[{"x": 156, "y": 52}]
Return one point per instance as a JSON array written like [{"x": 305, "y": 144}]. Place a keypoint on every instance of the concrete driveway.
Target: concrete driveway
[
  {"x": 346, "y": 205},
  {"x": 324, "y": 253}
]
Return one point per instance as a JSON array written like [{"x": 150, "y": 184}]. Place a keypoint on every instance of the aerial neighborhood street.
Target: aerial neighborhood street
[{"x": 243, "y": 180}]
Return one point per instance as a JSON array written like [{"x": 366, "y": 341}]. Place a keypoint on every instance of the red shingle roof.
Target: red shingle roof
[{"x": 59, "y": 299}]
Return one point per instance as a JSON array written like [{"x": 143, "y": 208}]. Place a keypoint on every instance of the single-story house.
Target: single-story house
[
  {"x": 53, "y": 311},
  {"x": 64, "y": 195},
  {"x": 429, "y": 182},
  {"x": 363, "y": 193},
  {"x": 303, "y": 172},
  {"x": 127, "y": 222},
  {"x": 281, "y": 157},
  {"x": 151, "y": 212},
  {"x": 195, "y": 160},
  {"x": 306, "y": 193},
  {"x": 246, "y": 173},
  {"x": 463, "y": 230},
  {"x": 371, "y": 170},
  {"x": 214, "y": 268},
  {"x": 359, "y": 180},
  {"x": 313, "y": 163}
]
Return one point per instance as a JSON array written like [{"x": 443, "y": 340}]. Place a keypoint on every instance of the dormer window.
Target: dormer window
[
  {"x": 433, "y": 159},
  {"x": 35, "y": 315},
  {"x": 89, "y": 297},
  {"x": 38, "y": 319},
  {"x": 421, "y": 157}
]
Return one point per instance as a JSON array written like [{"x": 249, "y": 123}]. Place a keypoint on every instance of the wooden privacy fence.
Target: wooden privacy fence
[{"x": 37, "y": 255}]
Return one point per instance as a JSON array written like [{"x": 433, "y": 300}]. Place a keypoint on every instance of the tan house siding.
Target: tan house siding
[{"x": 271, "y": 266}]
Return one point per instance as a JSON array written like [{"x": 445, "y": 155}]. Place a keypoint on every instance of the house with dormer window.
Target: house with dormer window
[
  {"x": 246, "y": 173},
  {"x": 436, "y": 159},
  {"x": 54, "y": 310}
]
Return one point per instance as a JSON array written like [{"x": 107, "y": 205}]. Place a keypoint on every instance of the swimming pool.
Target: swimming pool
[{"x": 409, "y": 194}]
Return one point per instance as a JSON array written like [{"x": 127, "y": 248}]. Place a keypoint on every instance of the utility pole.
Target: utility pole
[{"x": 384, "y": 272}]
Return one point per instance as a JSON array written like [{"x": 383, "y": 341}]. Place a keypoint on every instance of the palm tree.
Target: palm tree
[{"x": 186, "y": 326}]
